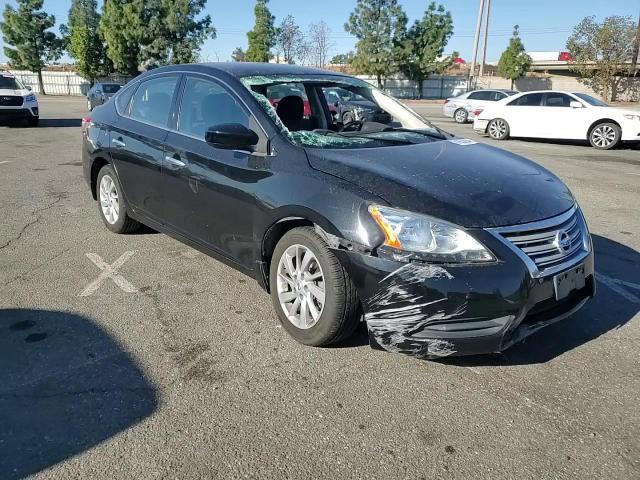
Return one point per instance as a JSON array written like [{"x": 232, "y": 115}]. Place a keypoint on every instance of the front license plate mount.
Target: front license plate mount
[{"x": 569, "y": 280}]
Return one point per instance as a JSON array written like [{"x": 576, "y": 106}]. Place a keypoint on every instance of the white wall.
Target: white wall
[{"x": 60, "y": 83}]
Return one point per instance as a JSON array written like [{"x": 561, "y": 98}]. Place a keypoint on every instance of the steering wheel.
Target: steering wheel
[{"x": 353, "y": 126}]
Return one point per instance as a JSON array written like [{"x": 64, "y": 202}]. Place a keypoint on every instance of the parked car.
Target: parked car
[
  {"x": 100, "y": 93},
  {"x": 350, "y": 107},
  {"x": 461, "y": 108},
  {"x": 17, "y": 101},
  {"x": 559, "y": 115},
  {"x": 442, "y": 245}
]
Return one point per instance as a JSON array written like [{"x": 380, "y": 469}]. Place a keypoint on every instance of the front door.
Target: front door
[
  {"x": 137, "y": 144},
  {"x": 209, "y": 190}
]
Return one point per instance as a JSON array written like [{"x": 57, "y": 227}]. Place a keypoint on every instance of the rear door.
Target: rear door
[
  {"x": 479, "y": 99},
  {"x": 137, "y": 144},
  {"x": 209, "y": 190}
]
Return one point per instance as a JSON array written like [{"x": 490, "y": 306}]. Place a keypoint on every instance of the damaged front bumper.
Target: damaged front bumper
[{"x": 435, "y": 311}]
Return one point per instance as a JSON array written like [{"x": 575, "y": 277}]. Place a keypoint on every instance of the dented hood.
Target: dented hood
[{"x": 460, "y": 181}]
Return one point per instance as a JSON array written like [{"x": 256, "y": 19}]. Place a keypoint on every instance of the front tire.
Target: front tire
[
  {"x": 33, "y": 121},
  {"x": 605, "y": 136},
  {"x": 461, "y": 116},
  {"x": 314, "y": 298},
  {"x": 498, "y": 129},
  {"x": 111, "y": 204},
  {"x": 348, "y": 117}
]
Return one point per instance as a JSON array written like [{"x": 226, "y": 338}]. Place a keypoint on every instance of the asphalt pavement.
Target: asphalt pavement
[{"x": 135, "y": 356}]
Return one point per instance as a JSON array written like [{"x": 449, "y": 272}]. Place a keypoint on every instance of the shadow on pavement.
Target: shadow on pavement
[
  {"x": 615, "y": 304},
  {"x": 65, "y": 386}
]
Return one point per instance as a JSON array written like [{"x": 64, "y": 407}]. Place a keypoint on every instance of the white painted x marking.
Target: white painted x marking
[{"x": 109, "y": 271}]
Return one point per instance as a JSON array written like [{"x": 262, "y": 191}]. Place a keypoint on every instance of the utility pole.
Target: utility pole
[
  {"x": 486, "y": 33},
  {"x": 636, "y": 50},
  {"x": 476, "y": 40}
]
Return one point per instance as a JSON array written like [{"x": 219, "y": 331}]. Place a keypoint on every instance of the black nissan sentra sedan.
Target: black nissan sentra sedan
[{"x": 442, "y": 245}]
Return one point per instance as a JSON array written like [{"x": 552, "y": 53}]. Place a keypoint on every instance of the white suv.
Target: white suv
[
  {"x": 17, "y": 102},
  {"x": 461, "y": 108}
]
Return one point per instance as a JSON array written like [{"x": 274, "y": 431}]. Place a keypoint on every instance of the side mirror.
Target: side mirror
[
  {"x": 231, "y": 136},
  {"x": 336, "y": 104},
  {"x": 575, "y": 104},
  {"x": 28, "y": 87}
]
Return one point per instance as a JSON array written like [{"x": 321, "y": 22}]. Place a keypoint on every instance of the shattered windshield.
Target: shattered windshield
[{"x": 335, "y": 111}]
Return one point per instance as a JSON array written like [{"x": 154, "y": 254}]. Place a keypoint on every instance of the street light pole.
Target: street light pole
[
  {"x": 486, "y": 34},
  {"x": 476, "y": 40}
]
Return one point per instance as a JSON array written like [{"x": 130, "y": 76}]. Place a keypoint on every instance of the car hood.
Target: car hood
[
  {"x": 9, "y": 91},
  {"x": 460, "y": 181}
]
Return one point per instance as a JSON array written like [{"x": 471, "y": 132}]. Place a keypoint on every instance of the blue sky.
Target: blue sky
[{"x": 545, "y": 24}]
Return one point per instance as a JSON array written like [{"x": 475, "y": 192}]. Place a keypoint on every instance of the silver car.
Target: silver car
[
  {"x": 100, "y": 93},
  {"x": 461, "y": 108}
]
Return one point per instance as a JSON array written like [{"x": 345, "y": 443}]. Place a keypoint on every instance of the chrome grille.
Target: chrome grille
[
  {"x": 551, "y": 244},
  {"x": 10, "y": 101}
]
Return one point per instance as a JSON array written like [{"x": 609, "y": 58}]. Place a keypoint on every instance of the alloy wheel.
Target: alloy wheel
[
  {"x": 301, "y": 286},
  {"x": 109, "y": 200},
  {"x": 461, "y": 116},
  {"x": 497, "y": 129},
  {"x": 603, "y": 136}
]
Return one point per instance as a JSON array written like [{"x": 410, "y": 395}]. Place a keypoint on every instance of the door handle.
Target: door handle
[
  {"x": 174, "y": 161},
  {"x": 118, "y": 143}
]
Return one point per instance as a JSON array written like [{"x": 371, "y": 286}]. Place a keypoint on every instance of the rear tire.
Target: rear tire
[
  {"x": 461, "y": 116},
  {"x": 498, "y": 129},
  {"x": 111, "y": 204},
  {"x": 339, "y": 314},
  {"x": 605, "y": 136}
]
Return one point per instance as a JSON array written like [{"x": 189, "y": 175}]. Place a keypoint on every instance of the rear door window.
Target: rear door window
[
  {"x": 481, "y": 95},
  {"x": 152, "y": 101},
  {"x": 206, "y": 104}
]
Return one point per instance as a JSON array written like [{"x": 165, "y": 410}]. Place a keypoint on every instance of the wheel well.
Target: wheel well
[
  {"x": 273, "y": 236},
  {"x": 598, "y": 122},
  {"x": 97, "y": 164}
]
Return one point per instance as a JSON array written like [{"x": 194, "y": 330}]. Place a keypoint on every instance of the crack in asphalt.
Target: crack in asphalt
[{"x": 37, "y": 213}]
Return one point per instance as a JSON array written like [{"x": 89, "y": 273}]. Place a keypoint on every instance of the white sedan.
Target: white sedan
[
  {"x": 558, "y": 115},
  {"x": 461, "y": 108}
]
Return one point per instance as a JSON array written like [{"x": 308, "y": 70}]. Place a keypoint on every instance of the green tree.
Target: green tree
[
  {"x": 123, "y": 33},
  {"x": 378, "y": 25},
  {"x": 145, "y": 33},
  {"x": 603, "y": 53},
  {"x": 342, "y": 58},
  {"x": 238, "y": 55},
  {"x": 514, "y": 62},
  {"x": 28, "y": 42},
  {"x": 83, "y": 40},
  {"x": 263, "y": 36},
  {"x": 421, "y": 48},
  {"x": 176, "y": 31}
]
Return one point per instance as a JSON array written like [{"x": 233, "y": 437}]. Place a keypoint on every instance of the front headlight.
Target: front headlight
[
  {"x": 431, "y": 239},
  {"x": 30, "y": 98}
]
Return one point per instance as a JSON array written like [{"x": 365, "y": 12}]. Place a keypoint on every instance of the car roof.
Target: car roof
[
  {"x": 549, "y": 91},
  {"x": 244, "y": 69}
]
